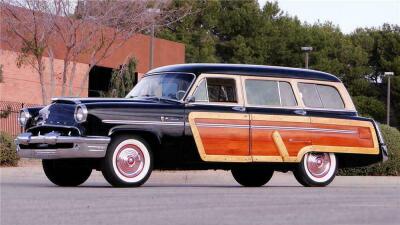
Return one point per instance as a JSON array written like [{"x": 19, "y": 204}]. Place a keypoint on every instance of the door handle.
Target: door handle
[
  {"x": 239, "y": 108},
  {"x": 300, "y": 112},
  {"x": 168, "y": 118}
]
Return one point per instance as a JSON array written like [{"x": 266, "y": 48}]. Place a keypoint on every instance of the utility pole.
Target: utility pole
[
  {"x": 388, "y": 75},
  {"x": 306, "y": 49}
]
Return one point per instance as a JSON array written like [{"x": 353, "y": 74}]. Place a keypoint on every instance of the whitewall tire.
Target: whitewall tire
[
  {"x": 316, "y": 169},
  {"x": 128, "y": 162}
]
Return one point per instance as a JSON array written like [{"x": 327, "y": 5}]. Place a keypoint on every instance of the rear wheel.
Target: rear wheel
[
  {"x": 66, "y": 172},
  {"x": 252, "y": 176},
  {"x": 128, "y": 162},
  {"x": 316, "y": 169}
]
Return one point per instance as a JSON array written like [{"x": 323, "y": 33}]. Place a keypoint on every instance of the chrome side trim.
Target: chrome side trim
[
  {"x": 221, "y": 125},
  {"x": 309, "y": 129},
  {"x": 135, "y": 122}
]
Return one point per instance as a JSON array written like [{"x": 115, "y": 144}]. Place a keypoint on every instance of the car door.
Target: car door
[
  {"x": 333, "y": 127},
  {"x": 278, "y": 124},
  {"x": 217, "y": 119}
]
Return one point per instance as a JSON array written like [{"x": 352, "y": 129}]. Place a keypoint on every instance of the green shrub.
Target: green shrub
[
  {"x": 389, "y": 168},
  {"x": 8, "y": 154},
  {"x": 370, "y": 107}
]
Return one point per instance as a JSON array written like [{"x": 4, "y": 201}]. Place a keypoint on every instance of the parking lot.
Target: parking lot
[{"x": 200, "y": 197}]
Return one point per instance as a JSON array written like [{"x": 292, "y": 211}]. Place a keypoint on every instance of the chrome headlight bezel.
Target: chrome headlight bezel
[
  {"x": 23, "y": 117},
  {"x": 81, "y": 113}
]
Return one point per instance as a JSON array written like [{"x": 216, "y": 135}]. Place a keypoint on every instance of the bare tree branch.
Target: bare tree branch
[{"x": 83, "y": 28}]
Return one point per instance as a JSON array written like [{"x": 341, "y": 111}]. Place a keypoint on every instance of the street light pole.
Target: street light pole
[
  {"x": 388, "y": 75},
  {"x": 154, "y": 12},
  {"x": 151, "y": 60},
  {"x": 306, "y": 60},
  {"x": 306, "y": 50}
]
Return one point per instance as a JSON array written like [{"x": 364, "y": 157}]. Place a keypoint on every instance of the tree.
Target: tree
[
  {"x": 241, "y": 32},
  {"x": 32, "y": 28},
  {"x": 96, "y": 30},
  {"x": 1, "y": 73},
  {"x": 196, "y": 30},
  {"x": 122, "y": 80},
  {"x": 370, "y": 107}
]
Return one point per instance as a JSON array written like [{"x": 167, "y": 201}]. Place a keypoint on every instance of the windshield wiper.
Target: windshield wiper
[{"x": 158, "y": 98}]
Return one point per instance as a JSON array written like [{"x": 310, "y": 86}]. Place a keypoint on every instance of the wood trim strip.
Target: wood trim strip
[
  {"x": 280, "y": 145},
  {"x": 199, "y": 143}
]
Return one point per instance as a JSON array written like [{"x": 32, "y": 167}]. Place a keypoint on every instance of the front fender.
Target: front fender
[{"x": 136, "y": 130}]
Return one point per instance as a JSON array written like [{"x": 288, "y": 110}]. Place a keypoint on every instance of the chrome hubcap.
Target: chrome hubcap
[
  {"x": 318, "y": 164},
  {"x": 130, "y": 160}
]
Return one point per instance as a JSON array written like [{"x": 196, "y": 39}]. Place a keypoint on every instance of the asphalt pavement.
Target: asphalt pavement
[{"x": 196, "y": 197}]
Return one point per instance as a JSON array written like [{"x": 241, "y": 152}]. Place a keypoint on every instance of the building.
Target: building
[{"x": 21, "y": 84}]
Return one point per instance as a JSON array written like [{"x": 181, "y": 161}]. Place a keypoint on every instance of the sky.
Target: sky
[{"x": 348, "y": 14}]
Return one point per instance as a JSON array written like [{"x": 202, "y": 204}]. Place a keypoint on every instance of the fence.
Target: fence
[{"x": 9, "y": 124}]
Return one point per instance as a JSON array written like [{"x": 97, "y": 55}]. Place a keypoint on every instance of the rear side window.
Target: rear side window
[
  {"x": 216, "y": 90},
  {"x": 269, "y": 93},
  {"x": 320, "y": 96}
]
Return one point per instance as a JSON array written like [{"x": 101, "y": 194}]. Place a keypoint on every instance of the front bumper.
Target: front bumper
[{"x": 55, "y": 146}]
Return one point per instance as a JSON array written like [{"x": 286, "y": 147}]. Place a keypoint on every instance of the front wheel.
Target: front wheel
[
  {"x": 316, "y": 169},
  {"x": 128, "y": 162},
  {"x": 252, "y": 176},
  {"x": 66, "y": 172}
]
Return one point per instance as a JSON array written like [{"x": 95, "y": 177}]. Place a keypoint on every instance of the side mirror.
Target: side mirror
[{"x": 191, "y": 99}]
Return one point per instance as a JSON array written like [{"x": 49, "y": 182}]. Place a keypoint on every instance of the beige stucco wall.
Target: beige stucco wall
[{"x": 22, "y": 84}]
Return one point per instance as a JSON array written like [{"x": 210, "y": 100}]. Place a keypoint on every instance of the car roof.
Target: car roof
[{"x": 249, "y": 70}]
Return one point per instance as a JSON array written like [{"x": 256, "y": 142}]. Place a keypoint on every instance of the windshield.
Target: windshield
[{"x": 172, "y": 86}]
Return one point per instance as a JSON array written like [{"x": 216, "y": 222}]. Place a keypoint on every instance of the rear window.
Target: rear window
[{"x": 320, "y": 96}]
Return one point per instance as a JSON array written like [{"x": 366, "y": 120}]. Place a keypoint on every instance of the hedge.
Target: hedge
[
  {"x": 389, "y": 168},
  {"x": 8, "y": 154}
]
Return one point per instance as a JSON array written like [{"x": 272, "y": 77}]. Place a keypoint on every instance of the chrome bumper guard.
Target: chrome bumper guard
[
  {"x": 82, "y": 147},
  {"x": 382, "y": 145}
]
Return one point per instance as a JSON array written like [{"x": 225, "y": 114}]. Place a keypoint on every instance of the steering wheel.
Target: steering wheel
[{"x": 180, "y": 94}]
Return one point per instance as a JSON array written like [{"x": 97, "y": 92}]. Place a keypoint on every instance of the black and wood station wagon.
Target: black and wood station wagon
[{"x": 252, "y": 120}]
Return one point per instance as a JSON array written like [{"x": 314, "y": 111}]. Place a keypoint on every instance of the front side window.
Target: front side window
[
  {"x": 201, "y": 92},
  {"x": 321, "y": 96},
  {"x": 269, "y": 93},
  {"x": 216, "y": 90},
  {"x": 171, "y": 86}
]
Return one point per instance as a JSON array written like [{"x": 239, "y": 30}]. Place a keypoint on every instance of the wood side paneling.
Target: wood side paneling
[{"x": 225, "y": 141}]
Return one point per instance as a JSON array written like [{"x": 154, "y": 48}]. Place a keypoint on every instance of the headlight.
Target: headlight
[
  {"x": 24, "y": 117},
  {"x": 80, "y": 113}
]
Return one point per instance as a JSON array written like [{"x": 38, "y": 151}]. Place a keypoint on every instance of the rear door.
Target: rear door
[
  {"x": 218, "y": 120},
  {"x": 333, "y": 124},
  {"x": 278, "y": 124}
]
